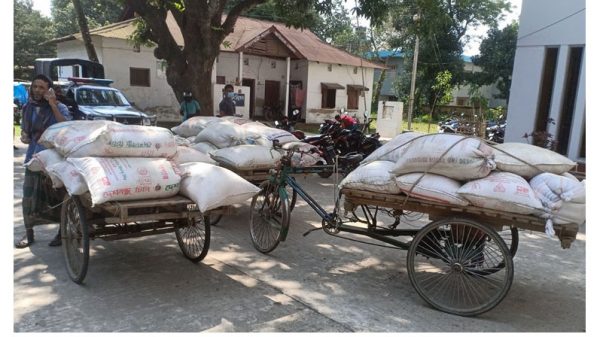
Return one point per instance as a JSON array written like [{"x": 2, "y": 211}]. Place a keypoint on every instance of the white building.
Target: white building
[
  {"x": 266, "y": 56},
  {"x": 548, "y": 81}
]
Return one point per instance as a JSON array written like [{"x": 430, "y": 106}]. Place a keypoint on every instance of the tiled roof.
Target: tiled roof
[{"x": 306, "y": 43}]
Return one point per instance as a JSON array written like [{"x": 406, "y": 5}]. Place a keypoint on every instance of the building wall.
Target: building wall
[
  {"x": 343, "y": 75},
  {"x": 546, "y": 23},
  {"x": 118, "y": 56}
]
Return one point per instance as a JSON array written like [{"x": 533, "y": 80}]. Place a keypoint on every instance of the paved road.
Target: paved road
[{"x": 316, "y": 283}]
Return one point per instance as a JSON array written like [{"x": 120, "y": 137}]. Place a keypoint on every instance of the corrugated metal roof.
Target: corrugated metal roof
[{"x": 305, "y": 43}]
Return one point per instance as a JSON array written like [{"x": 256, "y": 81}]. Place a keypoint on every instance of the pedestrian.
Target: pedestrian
[
  {"x": 346, "y": 121},
  {"x": 41, "y": 111},
  {"x": 189, "y": 107},
  {"x": 227, "y": 105}
]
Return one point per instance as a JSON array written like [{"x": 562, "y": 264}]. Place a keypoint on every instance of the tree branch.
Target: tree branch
[{"x": 236, "y": 12}]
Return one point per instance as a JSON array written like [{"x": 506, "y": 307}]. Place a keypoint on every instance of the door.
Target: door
[
  {"x": 250, "y": 82},
  {"x": 272, "y": 93}
]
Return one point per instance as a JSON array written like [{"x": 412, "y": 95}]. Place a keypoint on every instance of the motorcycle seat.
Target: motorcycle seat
[{"x": 350, "y": 159}]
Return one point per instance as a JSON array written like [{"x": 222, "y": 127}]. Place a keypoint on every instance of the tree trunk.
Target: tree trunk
[{"x": 85, "y": 32}]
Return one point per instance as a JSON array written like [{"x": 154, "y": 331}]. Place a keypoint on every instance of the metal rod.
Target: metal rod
[{"x": 309, "y": 200}]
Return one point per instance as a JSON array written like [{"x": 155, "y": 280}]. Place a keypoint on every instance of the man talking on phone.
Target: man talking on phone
[{"x": 41, "y": 111}]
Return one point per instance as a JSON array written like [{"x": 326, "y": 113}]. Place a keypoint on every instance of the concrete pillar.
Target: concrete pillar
[
  {"x": 213, "y": 74},
  {"x": 287, "y": 86},
  {"x": 240, "y": 69},
  {"x": 578, "y": 125},
  {"x": 558, "y": 89}
]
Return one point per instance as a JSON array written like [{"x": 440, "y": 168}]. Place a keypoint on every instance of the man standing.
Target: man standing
[
  {"x": 227, "y": 105},
  {"x": 189, "y": 107},
  {"x": 41, "y": 111}
]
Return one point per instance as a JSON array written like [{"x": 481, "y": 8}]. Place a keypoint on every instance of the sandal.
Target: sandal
[{"x": 26, "y": 241}]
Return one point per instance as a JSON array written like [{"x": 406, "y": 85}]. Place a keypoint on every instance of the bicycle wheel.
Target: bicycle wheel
[
  {"x": 75, "y": 237},
  {"x": 269, "y": 220},
  {"x": 460, "y": 266},
  {"x": 193, "y": 237}
]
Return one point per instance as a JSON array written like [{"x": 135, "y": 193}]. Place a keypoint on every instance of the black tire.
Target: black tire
[
  {"x": 453, "y": 266},
  {"x": 292, "y": 195},
  {"x": 269, "y": 220},
  {"x": 325, "y": 174},
  {"x": 74, "y": 232},
  {"x": 193, "y": 237}
]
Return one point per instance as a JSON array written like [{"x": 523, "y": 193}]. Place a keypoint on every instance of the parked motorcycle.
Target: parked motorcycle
[
  {"x": 288, "y": 124},
  {"x": 494, "y": 131}
]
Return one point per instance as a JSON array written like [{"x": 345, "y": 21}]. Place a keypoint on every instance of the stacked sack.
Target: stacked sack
[
  {"x": 117, "y": 162},
  {"x": 240, "y": 144},
  {"x": 458, "y": 170}
]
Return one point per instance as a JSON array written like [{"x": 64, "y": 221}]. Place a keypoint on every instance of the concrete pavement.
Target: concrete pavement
[{"x": 316, "y": 283}]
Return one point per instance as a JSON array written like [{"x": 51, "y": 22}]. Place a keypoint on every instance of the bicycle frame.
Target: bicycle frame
[{"x": 284, "y": 178}]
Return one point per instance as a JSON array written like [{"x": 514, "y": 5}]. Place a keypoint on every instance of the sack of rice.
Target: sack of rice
[
  {"x": 192, "y": 126},
  {"x": 374, "y": 177},
  {"x": 431, "y": 187},
  {"x": 127, "y": 178},
  {"x": 222, "y": 134},
  {"x": 268, "y": 134},
  {"x": 391, "y": 150},
  {"x": 65, "y": 174},
  {"x": 299, "y": 146},
  {"x": 203, "y": 147},
  {"x": 247, "y": 157},
  {"x": 211, "y": 186},
  {"x": 189, "y": 155},
  {"x": 43, "y": 159},
  {"x": 562, "y": 197},
  {"x": 237, "y": 120},
  {"x": 449, "y": 155},
  {"x": 180, "y": 141},
  {"x": 120, "y": 140},
  {"x": 70, "y": 135},
  {"x": 305, "y": 159},
  {"x": 529, "y": 160},
  {"x": 502, "y": 191}
]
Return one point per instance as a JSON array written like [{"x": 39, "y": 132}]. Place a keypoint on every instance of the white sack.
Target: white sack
[
  {"x": 502, "y": 191},
  {"x": 431, "y": 187},
  {"x": 268, "y": 134},
  {"x": 222, "y": 134},
  {"x": 247, "y": 157},
  {"x": 562, "y": 197},
  {"x": 113, "y": 179},
  {"x": 65, "y": 174},
  {"x": 180, "y": 141},
  {"x": 69, "y": 135},
  {"x": 121, "y": 140},
  {"x": 302, "y": 159},
  {"x": 391, "y": 150},
  {"x": 43, "y": 159},
  {"x": 189, "y": 155},
  {"x": 204, "y": 147},
  {"x": 551, "y": 188},
  {"x": 374, "y": 177},
  {"x": 450, "y": 155},
  {"x": 192, "y": 126},
  {"x": 238, "y": 120},
  {"x": 212, "y": 186},
  {"x": 544, "y": 159}
]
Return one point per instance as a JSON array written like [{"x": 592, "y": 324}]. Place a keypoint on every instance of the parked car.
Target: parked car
[{"x": 93, "y": 99}]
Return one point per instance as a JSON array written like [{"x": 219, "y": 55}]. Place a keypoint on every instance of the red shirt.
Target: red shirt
[{"x": 346, "y": 121}]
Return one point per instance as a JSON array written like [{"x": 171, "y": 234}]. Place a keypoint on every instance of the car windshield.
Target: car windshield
[{"x": 97, "y": 96}]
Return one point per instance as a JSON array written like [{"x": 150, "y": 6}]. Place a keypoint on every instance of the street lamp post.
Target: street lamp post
[{"x": 411, "y": 99}]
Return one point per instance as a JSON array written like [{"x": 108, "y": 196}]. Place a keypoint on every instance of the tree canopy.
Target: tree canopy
[
  {"x": 98, "y": 13},
  {"x": 30, "y": 30},
  {"x": 496, "y": 58}
]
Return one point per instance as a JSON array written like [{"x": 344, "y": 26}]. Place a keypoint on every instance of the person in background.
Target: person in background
[
  {"x": 346, "y": 121},
  {"x": 227, "y": 105},
  {"x": 189, "y": 107},
  {"x": 41, "y": 111}
]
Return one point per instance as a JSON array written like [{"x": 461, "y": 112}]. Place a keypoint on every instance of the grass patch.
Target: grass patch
[{"x": 17, "y": 131}]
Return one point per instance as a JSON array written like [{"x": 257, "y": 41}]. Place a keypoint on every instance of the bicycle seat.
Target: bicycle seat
[{"x": 350, "y": 159}]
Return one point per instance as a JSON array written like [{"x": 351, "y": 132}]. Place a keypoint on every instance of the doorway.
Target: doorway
[
  {"x": 250, "y": 82},
  {"x": 272, "y": 93}
]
